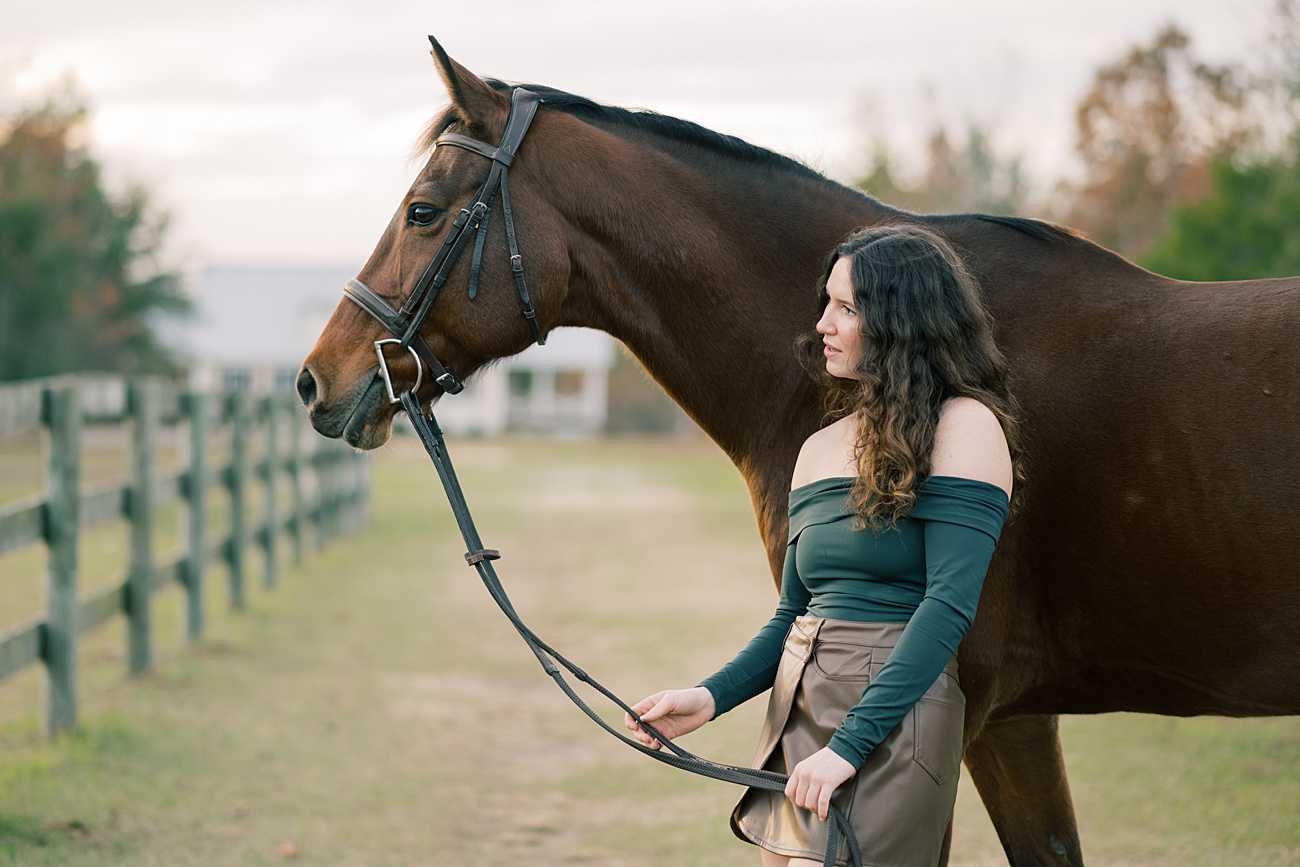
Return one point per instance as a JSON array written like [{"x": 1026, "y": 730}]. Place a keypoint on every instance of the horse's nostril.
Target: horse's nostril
[{"x": 306, "y": 387}]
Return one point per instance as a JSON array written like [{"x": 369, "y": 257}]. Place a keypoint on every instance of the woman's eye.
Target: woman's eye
[{"x": 421, "y": 215}]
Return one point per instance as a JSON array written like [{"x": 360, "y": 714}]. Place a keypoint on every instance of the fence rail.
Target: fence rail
[{"x": 328, "y": 494}]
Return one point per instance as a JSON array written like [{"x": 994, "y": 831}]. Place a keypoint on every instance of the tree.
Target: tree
[
  {"x": 80, "y": 284},
  {"x": 1148, "y": 131},
  {"x": 969, "y": 177},
  {"x": 1244, "y": 229}
]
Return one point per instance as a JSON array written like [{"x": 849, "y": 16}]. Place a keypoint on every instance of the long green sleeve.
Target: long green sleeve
[
  {"x": 753, "y": 670},
  {"x": 957, "y": 557}
]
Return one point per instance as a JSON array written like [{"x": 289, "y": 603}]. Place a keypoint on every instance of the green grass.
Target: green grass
[{"x": 376, "y": 709}]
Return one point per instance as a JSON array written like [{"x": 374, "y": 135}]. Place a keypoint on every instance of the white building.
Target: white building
[
  {"x": 560, "y": 388},
  {"x": 254, "y": 326}
]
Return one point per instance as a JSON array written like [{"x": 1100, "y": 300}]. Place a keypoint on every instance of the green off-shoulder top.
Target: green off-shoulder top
[{"x": 926, "y": 571}]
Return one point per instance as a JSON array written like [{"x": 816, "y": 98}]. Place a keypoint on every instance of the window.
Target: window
[
  {"x": 521, "y": 383},
  {"x": 568, "y": 382}
]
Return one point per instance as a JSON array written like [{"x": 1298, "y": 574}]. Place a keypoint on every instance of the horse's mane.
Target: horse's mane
[
  {"x": 640, "y": 120},
  {"x": 687, "y": 132},
  {"x": 1040, "y": 229},
  {"x": 1034, "y": 228}
]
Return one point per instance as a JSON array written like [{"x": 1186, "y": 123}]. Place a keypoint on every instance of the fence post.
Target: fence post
[
  {"x": 270, "y": 574},
  {"x": 347, "y": 480},
  {"x": 364, "y": 470},
  {"x": 196, "y": 495},
  {"x": 330, "y": 487},
  {"x": 356, "y": 492},
  {"x": 367, "y": 503},
  {"x": 143, "y": 403},
  {"x": 62, "y": 411},
  {"x": 296, "y": 467},
  {"x": 319, "y": 512},
  {"x": 350, "y": 502},
  {"x": 237, "y": 481},
  {"x": 324, "y": 494}
]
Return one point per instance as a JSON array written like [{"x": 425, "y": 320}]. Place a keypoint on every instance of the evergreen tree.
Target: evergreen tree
[
  {"x": 80, "y": 285},
  {"x": 1245, "y": 227},
  {"x": 963, "y": 177}
]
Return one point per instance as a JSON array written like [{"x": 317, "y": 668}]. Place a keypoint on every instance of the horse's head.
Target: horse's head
[{"x": 443, "y": 333}]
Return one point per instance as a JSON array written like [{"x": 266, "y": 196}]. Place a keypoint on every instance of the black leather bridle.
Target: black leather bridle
[{"x": 405, "y": 323}]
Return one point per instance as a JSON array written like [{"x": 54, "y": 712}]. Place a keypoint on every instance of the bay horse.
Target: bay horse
[{"x": 1155, "y": 411}]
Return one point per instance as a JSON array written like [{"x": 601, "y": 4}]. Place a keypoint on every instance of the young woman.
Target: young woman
[{"x": 895, "y": 510}]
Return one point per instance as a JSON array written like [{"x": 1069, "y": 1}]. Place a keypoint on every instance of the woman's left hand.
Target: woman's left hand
[{"x": 815, "y": 779}]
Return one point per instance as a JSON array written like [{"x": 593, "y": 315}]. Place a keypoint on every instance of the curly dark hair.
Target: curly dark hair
[{"x": 926, "y": 338}]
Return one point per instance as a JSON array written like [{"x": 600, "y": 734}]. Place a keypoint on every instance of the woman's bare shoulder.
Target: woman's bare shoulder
[
  {"x": 826, "y": 453},
  {"x": 969, "y": 443}
]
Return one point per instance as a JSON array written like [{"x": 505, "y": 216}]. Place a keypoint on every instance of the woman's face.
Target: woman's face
[{"x": 839, "y": 326}]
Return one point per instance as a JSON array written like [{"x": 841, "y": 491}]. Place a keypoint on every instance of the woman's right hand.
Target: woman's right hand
[{"x": 673, "y": 712}]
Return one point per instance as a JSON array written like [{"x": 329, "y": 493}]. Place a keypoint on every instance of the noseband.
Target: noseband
[{"x": 405, "y": 323}]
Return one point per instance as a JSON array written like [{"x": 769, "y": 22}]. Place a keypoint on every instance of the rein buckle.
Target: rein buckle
[{"x": 476, "y": 557}]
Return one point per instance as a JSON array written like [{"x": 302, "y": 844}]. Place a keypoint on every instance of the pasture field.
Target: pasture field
[{"x": 376, "y": 709}]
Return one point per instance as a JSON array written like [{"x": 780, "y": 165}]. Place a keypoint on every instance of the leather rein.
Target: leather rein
[{"x": 405, "y": 325}]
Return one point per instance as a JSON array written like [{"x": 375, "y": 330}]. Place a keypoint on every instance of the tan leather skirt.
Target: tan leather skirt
[{"x": 901, "y": 800}]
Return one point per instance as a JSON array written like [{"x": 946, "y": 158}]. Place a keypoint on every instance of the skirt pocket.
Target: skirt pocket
[
  {"x": 937, "y": 739},
  {"x": 839, "y": 661}
]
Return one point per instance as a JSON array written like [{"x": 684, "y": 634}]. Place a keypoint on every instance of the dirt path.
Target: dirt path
[{"x": 377, "y": 710}]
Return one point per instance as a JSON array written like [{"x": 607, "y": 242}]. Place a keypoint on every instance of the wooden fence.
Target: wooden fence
[{"x": 235, "y": 447}]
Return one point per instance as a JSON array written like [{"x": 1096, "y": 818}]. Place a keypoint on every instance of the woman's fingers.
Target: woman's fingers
[
  {"x": 795, "y": 788},
  {"x": 810, "y": 796},
  {"x": 671, "y": 712},
  {"x": 648, "y": 709},
  {"x": 814, "y": 780},
  {"x": 648, "y": 702},
  {"x": 641, "y": 708},
  {"x": 658, "y": 709},
  {"x": 660, "y": 717}
]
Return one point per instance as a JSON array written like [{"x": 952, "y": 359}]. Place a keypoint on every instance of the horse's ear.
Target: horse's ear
[{"x": 473, "y": 98}]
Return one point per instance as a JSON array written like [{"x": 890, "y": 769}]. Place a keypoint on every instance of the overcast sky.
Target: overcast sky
[{"x": 281, "y": 131}]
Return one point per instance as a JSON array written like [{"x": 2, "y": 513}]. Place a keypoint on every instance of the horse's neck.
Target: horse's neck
[{"x": 706, "y": 272}]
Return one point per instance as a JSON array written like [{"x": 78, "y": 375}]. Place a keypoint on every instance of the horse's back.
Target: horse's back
[{"x": 1161, "y": 538}]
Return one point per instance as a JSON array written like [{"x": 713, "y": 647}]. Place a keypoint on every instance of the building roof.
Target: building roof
[{"x": 259, "y": 316}]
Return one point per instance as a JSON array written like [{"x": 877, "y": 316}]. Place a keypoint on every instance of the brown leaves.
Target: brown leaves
[{"x": 1147, "y": 131}]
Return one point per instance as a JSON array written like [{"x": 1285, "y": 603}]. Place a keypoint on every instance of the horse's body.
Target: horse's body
[{"x": 1154, "y": 567}]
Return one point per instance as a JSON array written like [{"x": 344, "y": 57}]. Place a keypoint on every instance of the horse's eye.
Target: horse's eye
[{"x": 421, "y": 215}]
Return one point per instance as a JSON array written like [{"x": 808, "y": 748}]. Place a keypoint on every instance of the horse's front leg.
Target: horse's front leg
[{"x": 1019, "y": 770}]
